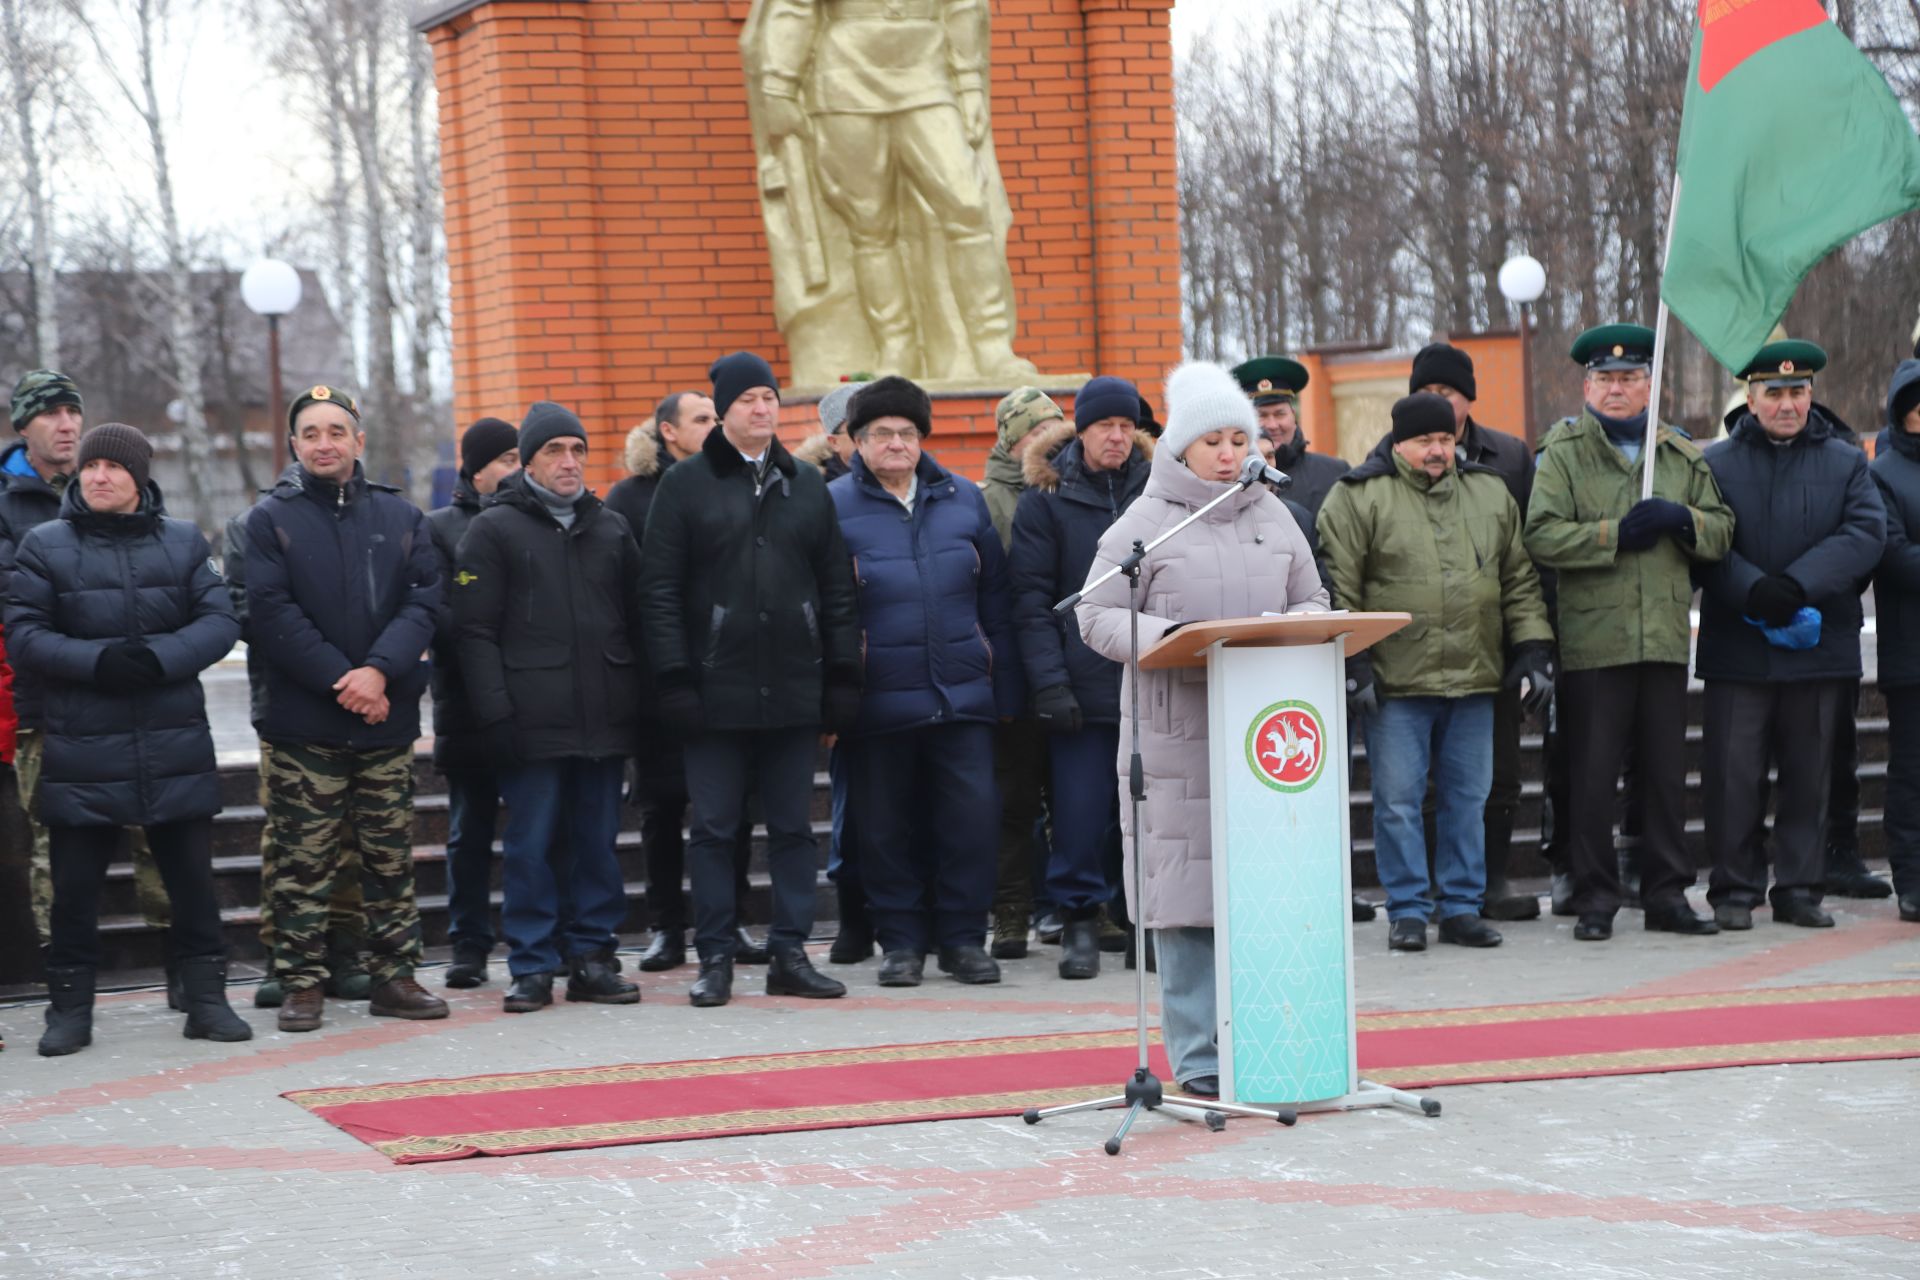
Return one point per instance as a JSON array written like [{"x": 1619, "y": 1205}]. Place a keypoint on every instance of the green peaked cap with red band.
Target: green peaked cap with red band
[{"x": 1791, "y": 144}]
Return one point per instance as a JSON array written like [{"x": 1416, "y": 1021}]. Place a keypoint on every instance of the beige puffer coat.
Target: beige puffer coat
[{"x": 1246, "y": 558}]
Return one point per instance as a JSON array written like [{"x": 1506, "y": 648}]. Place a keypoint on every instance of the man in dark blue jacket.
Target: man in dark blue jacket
[
  {"x": 343, "y": 593},
  {"x": 918, "y": 763},
  {"x": 1896, "y": 595},
  {"x": 1780, "y": 635},
  {"x": 1079, "y": 479}
]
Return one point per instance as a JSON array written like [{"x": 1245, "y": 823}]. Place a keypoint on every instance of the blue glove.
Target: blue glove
[{"x": 1803, "y": 632}]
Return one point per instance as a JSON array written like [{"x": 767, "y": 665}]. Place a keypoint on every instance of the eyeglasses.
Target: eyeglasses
[
  {"x": 1622, "y": 380},
  {"x": 887, "y": 435}
]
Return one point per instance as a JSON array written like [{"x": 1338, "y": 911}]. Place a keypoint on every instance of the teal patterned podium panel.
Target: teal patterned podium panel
[{"x": 1283, "y": 943}]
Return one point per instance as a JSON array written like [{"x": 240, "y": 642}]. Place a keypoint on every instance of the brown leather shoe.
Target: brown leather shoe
[
  {"x": 405, "y": 998},
  {"x": 300, "y": 1010}
]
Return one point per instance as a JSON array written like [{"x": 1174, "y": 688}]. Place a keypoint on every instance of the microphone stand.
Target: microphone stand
[{"x": 1143, "y": 1091}]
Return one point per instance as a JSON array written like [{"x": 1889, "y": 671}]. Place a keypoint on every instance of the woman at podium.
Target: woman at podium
[{"x": 1247, "y": 557}]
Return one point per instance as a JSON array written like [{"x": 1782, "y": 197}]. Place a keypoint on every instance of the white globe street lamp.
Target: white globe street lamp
[
  {"x": 271, "y": 288},
  {"x": 1522, "y": 281}
]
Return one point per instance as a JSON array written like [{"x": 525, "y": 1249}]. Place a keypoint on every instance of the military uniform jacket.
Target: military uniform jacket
[
  {"x": 1809, "y": 510},
  {"x": 1621, "y": 607},
  {"x": 1448, "y": 551}
]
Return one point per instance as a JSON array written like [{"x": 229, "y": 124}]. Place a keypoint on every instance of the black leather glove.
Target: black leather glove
[
  {"x": 679, "y": 709},
  {"x": 1775, "y": 599},
  {"x": 126, "y": 668},
  {"x": 1651, "y": 519},
  {"x": 1533, "y": 663},
  {"x": 1057, "y": 709},
  {"x": 1363, "y": 696},
  {"x": 839, "y": 706},
  {"x": 503, "y": 744}
]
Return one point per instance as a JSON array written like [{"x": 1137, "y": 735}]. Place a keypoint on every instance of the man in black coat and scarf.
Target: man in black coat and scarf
[{"x": 752, "y": 634}]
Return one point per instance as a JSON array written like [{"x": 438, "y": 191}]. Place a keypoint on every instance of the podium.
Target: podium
[{"x": 1282, "y": 876}]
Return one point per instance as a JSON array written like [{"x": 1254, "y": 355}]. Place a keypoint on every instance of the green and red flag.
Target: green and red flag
[{"x": 1791, "y": 144}]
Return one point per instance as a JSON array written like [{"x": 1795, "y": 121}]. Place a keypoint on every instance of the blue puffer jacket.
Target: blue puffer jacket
[
  {"x": 1056, "y": 531},
  {"x": 1896, "y": 583},
  {"x": 935, "y": 623},
  {"x": 1807, "y": 509},
  {"x": 87, "y": 581},
  {"x": 339, "y": 577}
]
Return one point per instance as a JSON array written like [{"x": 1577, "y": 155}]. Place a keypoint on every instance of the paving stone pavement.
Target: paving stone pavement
[{"x": 152, "y": 1155}]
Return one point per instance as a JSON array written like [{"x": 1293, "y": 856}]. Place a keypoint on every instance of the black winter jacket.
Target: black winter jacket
[
  {"x": 1896, "y": 583},
  {"x": 747, "y": 589},
  {"x": 339, "y": 577},
  {"x": 632, "y": 497},
  {"x": 1056, "y": 531},
  {"x": 1808, "y": 509},
  {"x": 549, "y": 625},
  {"x": 87, "y": 581},
  {"x": 1314, "y": 474},
  {"x": 455, "y": 732}
]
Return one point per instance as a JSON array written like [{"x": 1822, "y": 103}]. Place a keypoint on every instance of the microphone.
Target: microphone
[{"x": 1255, "y": 470}]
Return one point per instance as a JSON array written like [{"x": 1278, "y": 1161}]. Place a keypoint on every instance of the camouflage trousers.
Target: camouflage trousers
[
  {"x": 148, "y": 891},
  {"x": 314, "y": 795},
  {"x": 346, "y": 927}
]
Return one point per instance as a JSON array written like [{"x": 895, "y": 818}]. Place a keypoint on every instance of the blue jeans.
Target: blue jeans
[
  {"x": 473, "y": 809},
  {"x": 1086, "y": 817},
  {"x": 1188, "y": 1025},
  {"x": 584, "y": 795},
  {"x": 1455, "y": 737}
]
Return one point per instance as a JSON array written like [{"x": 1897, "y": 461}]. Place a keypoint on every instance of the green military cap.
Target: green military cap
[
  {"x": 40, "y": 390},
  {"x": 1785, "y": 364},
  {"x": 1022, "y": 410},
  {"x": 1614, "y": 346},
  {"x": 321, "y": 394},
  {"x": 1270, "y": 378}
]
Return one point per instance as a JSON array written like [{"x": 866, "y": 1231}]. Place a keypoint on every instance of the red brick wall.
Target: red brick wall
[{"x": 604, "y": 227}]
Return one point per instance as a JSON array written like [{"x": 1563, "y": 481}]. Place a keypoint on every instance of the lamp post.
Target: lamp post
[
  {"x": 271, "y": 288},
  {"x": 1522, "y": 281}
]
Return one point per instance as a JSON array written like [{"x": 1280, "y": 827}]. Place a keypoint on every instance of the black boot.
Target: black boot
[
  {"x": 469, "y": 967},
  {"x": 528, "y": 993},
  {"x": 1363, "y": 911},
  {"x": 667, "y": 950},
  {"x": 1080, "y": 947},
  {"x": 176, "y": 994},
  {"x": 69, "y": 1011},
  {"x": 714, "y": 986},
  {"x": 790, "y": 973},
  {"x": 593, "y": 979},
  {"x": 855, "y": 942},
  {"x": 1626, "y": 850},
  {"x": 748, "y": 949},
  {"x": 1847, "y": 875},
  {"x": 203, "y": 988},
  {"x": 1502, "y": 903}
]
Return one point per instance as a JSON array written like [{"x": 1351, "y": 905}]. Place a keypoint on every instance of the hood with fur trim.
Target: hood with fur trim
[
  {"x": 816, "y": 448},
  {"x": 643, "y": 452},
  {"x": 1037, "y": 462}
]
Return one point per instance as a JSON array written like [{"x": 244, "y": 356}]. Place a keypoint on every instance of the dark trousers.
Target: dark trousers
[
  {"x": 545, "y": 797},
  {"x": 1843, "y": 799},
  {"x": 473, "y": 814},
  {"x": 1903, "y": 787},
  {"x": 1020, "y": 775},
  {"x": 80, "y": 856},
  {"x": 1749, "y": 726},
  {"x": 1086, "y": 817},
  {"x": 660, "y": 786},
  {"x": 1640, "y": 708},
  {"x": 779, "y": 765},
  {"x": 925, "y": 816}
]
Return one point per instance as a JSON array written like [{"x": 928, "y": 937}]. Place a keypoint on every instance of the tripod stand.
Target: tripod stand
[{"x": 1143, "y": 1090}]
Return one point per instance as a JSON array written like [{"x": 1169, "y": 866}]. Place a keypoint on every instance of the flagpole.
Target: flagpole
[{"x": 1659, "y": 356}]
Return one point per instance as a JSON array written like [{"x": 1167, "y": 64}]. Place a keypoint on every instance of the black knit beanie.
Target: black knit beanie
[
  {"x": 735, "y": 375},
  {"x": 1904, "y": 402},
  {"x": 1421, "y": 414},
  {"x": 1445, "y": 364},
  {"x": 890, "y": 397},
  {"x": 118, "y": 442},
  {"x": 547, "y": 421},
  {"x": 1105, "y": 397},
  {"x": 484, "y": 441}
]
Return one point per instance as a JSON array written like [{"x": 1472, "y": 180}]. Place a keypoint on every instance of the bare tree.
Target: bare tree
[{"x": 28, "y": 67}]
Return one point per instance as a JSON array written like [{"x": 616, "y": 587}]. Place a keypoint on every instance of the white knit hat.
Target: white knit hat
[{"x": 1202, "y": 398}]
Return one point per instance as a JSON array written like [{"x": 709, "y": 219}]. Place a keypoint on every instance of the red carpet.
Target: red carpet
[{"x": 895, "y": 1084}]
